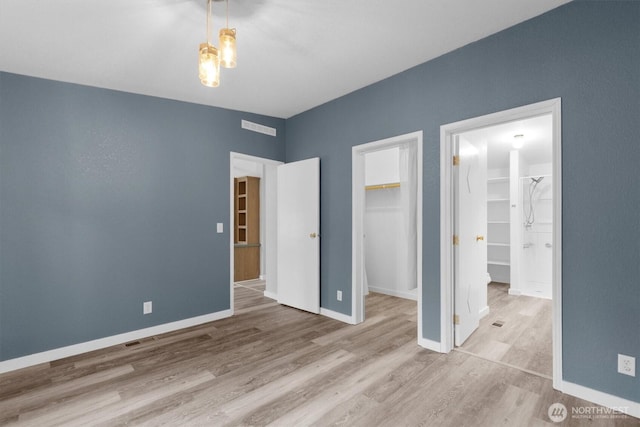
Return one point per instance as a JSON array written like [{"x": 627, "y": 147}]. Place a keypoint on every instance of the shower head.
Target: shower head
[{"x": 537, "y": 180}]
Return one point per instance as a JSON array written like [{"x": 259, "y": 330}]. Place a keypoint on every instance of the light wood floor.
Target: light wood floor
[
  {"x": 523, "y": 340},
  {"x": 274, "y": 365}
]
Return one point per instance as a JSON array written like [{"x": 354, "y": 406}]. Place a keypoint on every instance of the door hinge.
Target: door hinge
[
  {"x": 456, "y": 240},
  {"x": 456, "y": 319},
  {"x": 456, "y": 160}
]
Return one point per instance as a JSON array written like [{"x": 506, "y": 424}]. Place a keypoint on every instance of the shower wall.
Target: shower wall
[{"x": 536, "y": 256}]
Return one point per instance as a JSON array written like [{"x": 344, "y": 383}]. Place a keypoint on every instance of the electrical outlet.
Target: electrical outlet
[
  {"x": 627, "y": 365},
  {"x": 339, "y": 296},
  {"x": 147, "y": 307}
]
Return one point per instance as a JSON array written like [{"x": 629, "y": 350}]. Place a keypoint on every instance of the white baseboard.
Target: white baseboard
[
  {"x": 337, "y": 316},
  {"x": 484, "y": 311},
  {"x": 527, "y": 293},
  {"x": 535, "y": 294},
  {"x": 430, "y": 345},
  {"x": 395, "y": 293},
  {"x": 270, "y": 295},
  {"x": 628, "y": 407},
  {"x": 75, "y": 349}
]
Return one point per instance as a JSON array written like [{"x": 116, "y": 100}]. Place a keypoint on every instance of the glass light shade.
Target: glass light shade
[
  {"x": 209, "y": 65},
  {"x": 228, "y": 53}
]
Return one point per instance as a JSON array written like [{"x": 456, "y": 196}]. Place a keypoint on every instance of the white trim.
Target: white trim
[
  {"x": 528, "y": 293},
  {"x": 553, "y": 107},
  {"x": 412, "y": 295},
  {"x": 446, "y": 248},
  {"x": 430, "y": 344},
  {"x": 270, "y": 247},
  {"x": 515, "y": 292},
  {"x": 337, "y": 316},
  {"x": 600, "y": 398},
  {"x": 73, "y": 350},
  {"x": 271, "y": 295},
  {"x": 484, "y": 311}
]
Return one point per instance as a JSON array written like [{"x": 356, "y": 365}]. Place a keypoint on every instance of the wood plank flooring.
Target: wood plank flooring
[
  {"x": 277, "y": 366},
  {"x": 523, "y": 340}
]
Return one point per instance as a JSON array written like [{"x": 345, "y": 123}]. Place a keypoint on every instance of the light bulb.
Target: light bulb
[
  {"x": 228, "y": 52},
  {"x": 209, "y": 65}
]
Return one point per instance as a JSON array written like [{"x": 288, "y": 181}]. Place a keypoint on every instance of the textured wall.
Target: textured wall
[
  {"x": 584, "y": 52},
  {"x": 107, "y": 200}
]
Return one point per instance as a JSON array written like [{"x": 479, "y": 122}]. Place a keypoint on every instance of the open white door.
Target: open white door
[
  {"x": 470, "y": 231},
  {"x": 298, "y": 238}
]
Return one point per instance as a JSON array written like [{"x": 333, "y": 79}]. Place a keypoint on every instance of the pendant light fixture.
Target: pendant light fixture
[
  {"x": 228, "y": 53},
  {"x": 208, "y": 58}
]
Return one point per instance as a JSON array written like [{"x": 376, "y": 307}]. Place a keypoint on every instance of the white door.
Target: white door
[
  {"x": 471, "y": 231},
  {"x": 298, "y": 234}
]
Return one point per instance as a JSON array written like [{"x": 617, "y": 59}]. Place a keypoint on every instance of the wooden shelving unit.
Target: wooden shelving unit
[{"x": 247, "y": 228}]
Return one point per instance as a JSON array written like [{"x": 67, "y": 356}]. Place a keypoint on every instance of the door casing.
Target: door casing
[{"x": 447, "y": 133}]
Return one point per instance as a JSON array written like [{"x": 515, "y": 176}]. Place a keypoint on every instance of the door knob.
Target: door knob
[
  {"x": 313, "y": 235},
  {"x": 479, "y": 238}
]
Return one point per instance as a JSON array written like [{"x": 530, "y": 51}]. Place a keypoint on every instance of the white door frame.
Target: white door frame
[
  {"x": 270, "y": 244},
  {"x": 553, "y": 107},
  {"x": 357, "y": 220}
]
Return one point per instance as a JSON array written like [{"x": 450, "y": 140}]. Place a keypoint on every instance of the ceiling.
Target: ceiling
[
  {"x": 536, "y": 141},
  {"x": 292, "y": 55}
]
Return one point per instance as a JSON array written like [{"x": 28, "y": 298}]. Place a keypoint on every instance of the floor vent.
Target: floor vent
[
  {"x": 498, "y": 323},
  {"x": 132, "y": 343}
]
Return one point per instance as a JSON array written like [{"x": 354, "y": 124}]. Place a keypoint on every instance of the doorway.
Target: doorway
[
  {"x": 408, "y": 180},
  {"x": 266, "y": 170},
  {"x": 513, "y": 218},
  {"x": 452, "y": 245}
]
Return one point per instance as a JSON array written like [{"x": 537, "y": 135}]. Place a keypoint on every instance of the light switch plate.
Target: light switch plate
[{"x": 220, "y": 227}]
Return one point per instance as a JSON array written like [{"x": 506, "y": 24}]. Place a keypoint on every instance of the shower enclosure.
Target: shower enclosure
[
  {"x": 536, "y": 251},
  {"x": 520, "y": 226}
]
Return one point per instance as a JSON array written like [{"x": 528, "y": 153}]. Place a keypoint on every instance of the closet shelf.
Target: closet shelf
[
  {"x": 498, "y": 179},
  {"x": 497, "y": 200},
  {"x": 505, "y": 263},
  {"x": 497, "y": 222},
  {"x": 498, "y": 244}
]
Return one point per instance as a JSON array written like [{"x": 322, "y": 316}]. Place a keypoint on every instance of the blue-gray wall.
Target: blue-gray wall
[
  {"x": 587, "y": 53},
  {"x": 109, "y": 199}
]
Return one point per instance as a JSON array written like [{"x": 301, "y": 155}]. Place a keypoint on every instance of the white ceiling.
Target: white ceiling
[
  {"x": 292, "y": 55},
  {"x": 537, "y": 135}
]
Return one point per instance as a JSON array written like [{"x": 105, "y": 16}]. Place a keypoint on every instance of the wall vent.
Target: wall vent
[{"x": 255, "y": 127}]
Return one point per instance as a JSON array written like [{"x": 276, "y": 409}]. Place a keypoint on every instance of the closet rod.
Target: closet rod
[{"x": 382, "y": 186}]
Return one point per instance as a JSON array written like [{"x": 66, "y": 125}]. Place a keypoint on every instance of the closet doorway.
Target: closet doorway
[{"x": 387, "y": 220}]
